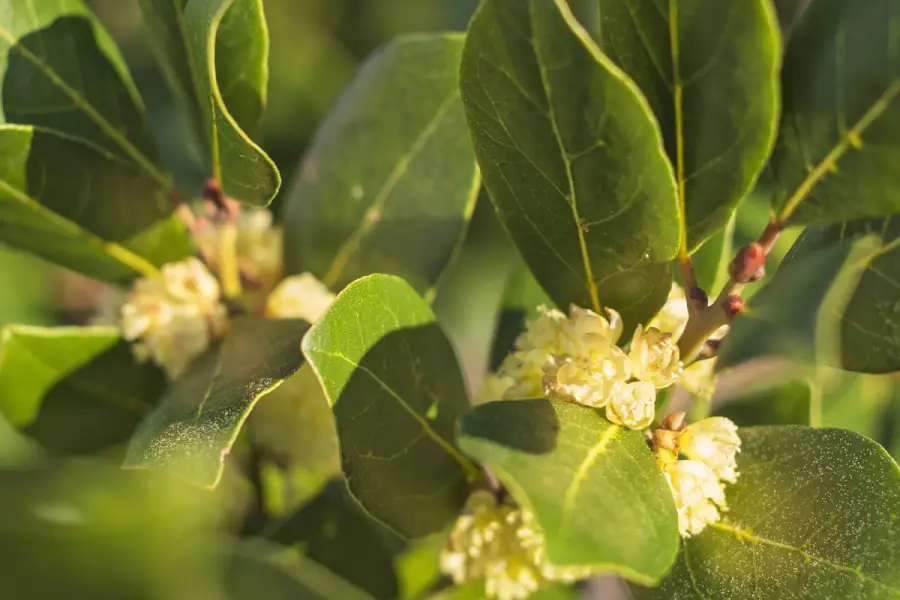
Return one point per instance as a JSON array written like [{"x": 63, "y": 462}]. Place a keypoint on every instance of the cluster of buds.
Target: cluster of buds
[
  {"x": 697, "y": 460},
  {"x": 173, "y": 316},
  {"x": 576, "y": 358}
]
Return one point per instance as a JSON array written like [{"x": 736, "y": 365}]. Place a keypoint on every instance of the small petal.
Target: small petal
[
  {"x": 673, "y": 317},
  {"x": 633, "y": 405},
  {"x": 654, "y": 357},
  {"x": 715, "y": 442},
  {"x": 698, "y": 495}
]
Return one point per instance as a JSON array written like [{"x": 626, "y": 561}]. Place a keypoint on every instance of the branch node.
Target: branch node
[{"x": 733, "y": 305}]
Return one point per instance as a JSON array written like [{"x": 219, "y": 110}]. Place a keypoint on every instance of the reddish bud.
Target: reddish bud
[
  {"x": 699, "y": 298},
  {"x": 750, "y": 259},
  {"x": 733, "y": 305},
  {"x": 760, "y": 273}
]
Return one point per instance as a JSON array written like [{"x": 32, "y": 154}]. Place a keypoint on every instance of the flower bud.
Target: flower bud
[
  {"x": 258, "y": 245},
  {"x": 698, "y": 495},
  {"x": 674, "y": 314},
  {"x": 299, "y": 297},
  {"x": 654, "y": 357},
  {"x": 632, "y": 405},
  {"x": 590, "y": 382},
  {"x": 715, "y": 442}
]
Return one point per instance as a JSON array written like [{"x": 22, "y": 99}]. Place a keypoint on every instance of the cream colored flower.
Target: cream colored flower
[
  {"x": 299, "y": 297},
  {"x": 258, "y": 245},
  {"x": 173, "y": 317},
  {"x": 715, "y": 442},
  {"x": 698, "y": 495},
  {"x": 674, "y": 314},
  {"x": 586, "y": 380},
  {"x": 497, "y": 544},
  {"x": 550, "y": 341},
  {"x": 632, "y": 405},
  {"x": 654, "y": 357}
]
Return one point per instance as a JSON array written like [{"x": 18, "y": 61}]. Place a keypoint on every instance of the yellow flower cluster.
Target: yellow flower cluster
[
  {"x": 576, "y": 358},
  {"x": 299, "y": 297},
  {"x": 174, "y": 315},
  {"x": 710, "y": 448}
]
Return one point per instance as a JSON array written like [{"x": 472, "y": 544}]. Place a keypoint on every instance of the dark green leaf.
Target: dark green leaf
[
  {"x": 796, "y": 315},
  {"x": 593, "y": 487},
  {"x": 835, "y": 157},
  {"x": 709, "y": 70},
  {"x": 789, "y": 13},
  {"x": 813, "y": 515},
  {"x": 870, "y": 325},
  {"x": 335, "y": 532},
  {"x": 858, "y": 403},
  {"x": 790, "y": 403},
  {"x": 390, "y": 180},
  {"x": 255, "y": 570},
  {"x": 59, "y": 69},
  {"x": 193, "y": 428},
  {"x": 226, "y": 46},
  {"x": 523, "y": 297},
  {"x": 572, "y": 157},
  {"x": 78, "y": 205},
  {"x": 394, "y": 384},
  {"x": 74, "y": 390},
  {"x": 81, "y": 531}
]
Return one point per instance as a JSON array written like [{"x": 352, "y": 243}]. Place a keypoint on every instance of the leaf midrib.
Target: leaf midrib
[
  {"x": 116, "y": 252},
  {"x": 81, "y": 102},
  {"x": 745, "y": 535},
  {"x": 467, "y": 466},
  {"x": 564, "y": 155},
  {"x": 595, "y": 452}
]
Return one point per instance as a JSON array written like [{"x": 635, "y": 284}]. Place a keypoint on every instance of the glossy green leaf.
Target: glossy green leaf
[
  {"x": 59, "y": 69},
  {"x": 335, "y": 531},
  {"x": 226, "y": 46},
  {"x": 870, "y": 324},
  {"x": 594, "y": 488},
  {"x": 572, "y": 157},
  {"x": 813, "y": 515},
  {"x": 396, "y": 390},
  {"x": 192, "y": 430},
  {"x": 836, "y": 153},
  {"x": 796, "y": 315},
  {"x": 254, "y": 569},
  {"x": 789, "y": 13},
  {"x": 390, "y": 180},
  {"x": 77, "y": 205},
  {"x": 84, "y": 531},
  {"x": 789, "y": 403},
  {"x": 709, "y": 70},
  {"x": 74, "y": 390}
]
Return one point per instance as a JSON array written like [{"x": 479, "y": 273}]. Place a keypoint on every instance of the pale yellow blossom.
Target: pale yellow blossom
[
  {"x": 654, "y": 357},
  {"x": 715, "y": 442},
  {"x": 258, "y": 245},
  {"x": 299, "y": 297},
  {"x": 698, "y": 495},
  {"x": 632, "y": 405},
  {"x": 172, "y": 317}
]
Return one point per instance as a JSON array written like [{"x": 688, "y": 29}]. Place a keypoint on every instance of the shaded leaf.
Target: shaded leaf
[
  {"x": 813, "y": 515},
  {"x": 588, "y": 199},
  {"x": 74, "y": 390},
  {"x": 858, "y": 403},
  {"x": 594, "y": 488},
  {"x": 227, "y": 49},
  {"x": 104, "y": 534},
  {"x": 870, "y": 324},
  {"x": 522, "y": 298},
  {"x": 796, "y": 315},
  {"x": 192, "y": 430},
  {"x": 335, "y": 531},
  {"x": 83, "y": 208},
  {"x": 835, "y": 156},
  {"x": 390, "y": 180},
  {"x": 59, "y": 69},
  {"x": 709, "y": 70},
  {"x": 395, "y": 387},
  {"x": 255, "y": 569},
  {"x": 790, "y": 403}
]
